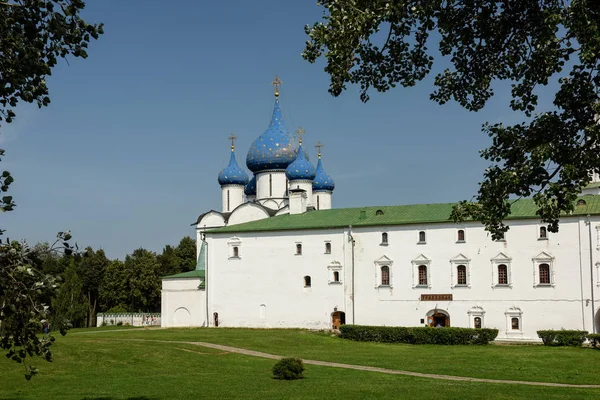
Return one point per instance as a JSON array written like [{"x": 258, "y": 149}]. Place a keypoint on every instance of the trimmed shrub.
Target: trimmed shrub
[
  {"x": 563, "y": 337},
  {"x": 594, "y": 339},
  {"x": 120, "y": 323},
  {"x": 288, "y": 368},
  {"x": 418, "y": 335}
]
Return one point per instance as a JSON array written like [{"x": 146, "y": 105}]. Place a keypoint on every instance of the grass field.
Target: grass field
[{"x": 104, "y": 364}]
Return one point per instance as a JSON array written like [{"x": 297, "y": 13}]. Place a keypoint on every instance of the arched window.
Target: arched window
[
  {"x": 423, "y": 275},
  {"x": 502, "y": 275},
  {"x": 581, "y": 202},
  {"x": 236, "y": 252},
  {"x": 298, "y": 249},
  {"x": 385, "y": 275},
  {"x": 477, "y": 322},
  {"x": 379, "y": 212},
  {"x": 461, "y": 275},
  {"x": 336, "y": 276},
  {"x": 514, "y": 322},
  {"x": 461, "y": 235},
  {"x": 384, "y": 238},
  {"x": 422, "y": 237},
  {"x": 307, "y": 281},
  {"x": 327, "y": 248},
  {"x": 544, "y": 274},
  {"x": 543, "y": 233}
]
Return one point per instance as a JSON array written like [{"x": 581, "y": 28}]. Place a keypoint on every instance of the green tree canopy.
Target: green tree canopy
[
  {"x": 186, "y": 251},
  {"x": 91, "y": 268},
  {"x": 142, "y": 270},
  {"x": 526, "y": 42},
  {"x": 114, "y": 288}
]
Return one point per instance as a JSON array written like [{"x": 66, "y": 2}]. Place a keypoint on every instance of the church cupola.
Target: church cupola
[
  {"x": 250, "y": 189},
  {"x": 322, "y": 185},
  {"x": 232, "y": 179},
  {"x": 301, "y": 172}
]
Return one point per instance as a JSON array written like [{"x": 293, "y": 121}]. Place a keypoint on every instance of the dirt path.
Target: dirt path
[{"x": 371, "y": 369}]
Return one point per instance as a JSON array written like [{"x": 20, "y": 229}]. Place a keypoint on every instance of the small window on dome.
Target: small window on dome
[
  {"x": 379, "y": 212},
  {"x": 581, "y": 202}
]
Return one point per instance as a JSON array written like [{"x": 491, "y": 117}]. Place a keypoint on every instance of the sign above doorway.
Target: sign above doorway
[{"x": 436, "y": 297}]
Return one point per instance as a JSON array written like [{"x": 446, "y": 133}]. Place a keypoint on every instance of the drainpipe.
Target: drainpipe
[
  {"x": 352, "y": 260},
  {"x": 591, "y": 275},
  {"x": 581, "y": 277},
  {"x": 206, "y": 280}
]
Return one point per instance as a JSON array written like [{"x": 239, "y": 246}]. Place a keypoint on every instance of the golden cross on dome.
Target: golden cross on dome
[
  {"x": 232, "y": 138},
  {"x": 319, "y": 146},
  {"x": 276, "y": 83},
  {"x": 300, "y": 132}
]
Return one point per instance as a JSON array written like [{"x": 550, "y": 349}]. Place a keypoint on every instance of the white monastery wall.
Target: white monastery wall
[
  {"x": 322, "y": 200},
  {"x": 271, "y": 184},
  {"x": 264, "y": 287},
  {"x": 183, "y": 304},
  {"x": 231, "y": 197},
  {"x": 246, "y": 213}
]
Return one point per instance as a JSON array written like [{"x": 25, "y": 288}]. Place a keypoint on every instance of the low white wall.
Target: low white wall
[{"x": 129, "y": 319}]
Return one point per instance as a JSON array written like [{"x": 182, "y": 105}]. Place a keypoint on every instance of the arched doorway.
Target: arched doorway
[
  {"x": 438, "y": 318},
  {"x": 182, "y": 317},
  {"x": 338, "y": 318},
  {"x": 597, "y": 321}
]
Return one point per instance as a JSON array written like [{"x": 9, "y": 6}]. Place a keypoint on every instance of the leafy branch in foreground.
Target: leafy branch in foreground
[{"x": 528, "y": 42}]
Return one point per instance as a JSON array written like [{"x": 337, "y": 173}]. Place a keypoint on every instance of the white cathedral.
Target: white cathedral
[{"x": 278, "y": 255}]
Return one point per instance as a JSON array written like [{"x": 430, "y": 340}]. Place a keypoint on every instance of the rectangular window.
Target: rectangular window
[
  {"x": 461, "y": 275},
  {"x": 422, "y": 275},
  {"x": 422, "y": 237},
  {"x": 385, "y": 276},
  {"x": 544, "y": 274},
  {"x": 298, "y": 249},
  {"x": 502, "y": 275},
  {"x": 327, "y": 248}
]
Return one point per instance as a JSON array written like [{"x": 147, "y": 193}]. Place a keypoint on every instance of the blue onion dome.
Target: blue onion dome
[
  {"x": 301, "y": 168},
  {"x": 276, "y": 148},
  {"x": 322, "y": 181},
  {"x": 250, "y": 189},
  {"x": 233, "y": 174}
]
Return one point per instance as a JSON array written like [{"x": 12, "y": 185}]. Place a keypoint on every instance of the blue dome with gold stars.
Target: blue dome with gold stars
[
  {"x": 322, "y": 181},
  {"x": 276, "y": 148},
  {"x": 250, "y": 189},
  {"x": 233, "y": 174},
  {"x": 301, "y": 168}
]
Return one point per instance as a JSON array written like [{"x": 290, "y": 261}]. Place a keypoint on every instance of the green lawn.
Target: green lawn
[{"x": 96, "y": 366}]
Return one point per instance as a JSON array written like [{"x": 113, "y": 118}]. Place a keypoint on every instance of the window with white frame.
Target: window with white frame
[
  {"x": 460, "y": 236},
  {"x": 476, "y": 315},
  {"x": 543, "y": 270},
  {"x": 514, "y": 321},
  {"x": 460, "y": 272},
  {"x": 383, "y": 272},
  {"x": 542, "y": 233},
  {"x": 421, "y": 272},
  {"x": 298, "y": 249},
  {"x": 422, "y": 237},
  {"x": 334, "y": 273},
  {"x": 384, "y": 239},
  {"x": 327, "y": 247},
  {"x": 235, "y": 245},
  {"x": 501, "y": 275}
]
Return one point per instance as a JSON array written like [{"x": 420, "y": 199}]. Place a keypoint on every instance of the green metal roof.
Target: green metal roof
[
  {"x": 190, "y": 274},
  {"x": 593, "y": 185},
  {"x": 392, "y": 215}
]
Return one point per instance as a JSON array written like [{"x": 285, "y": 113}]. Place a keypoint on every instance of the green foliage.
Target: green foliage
[
  {"x": 143, "y": 279},
  {"x": 563, "y": 337},
  {"x": 289, "y": 368},
  {"x": 529, "y": 43},
  {"x": 594, "y": 339},
  {"x": 186, "y": 251},
  {"x": 70, "y": 304},
  {"x": 418, "y": 335},
  {"x": 114, "y": 288},
  {"x": 91, "y": 268},
  {"x": 120, "y": 323}
]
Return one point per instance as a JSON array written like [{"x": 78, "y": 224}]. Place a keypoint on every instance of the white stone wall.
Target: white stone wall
[
  {"x": 322, "y": 200},
  {"x": 246, "y": 213},
  {"x": 277, "y": 189},
  {"x": 306, "y": 186},
  {"x": 265, "y": 286},
  {"x": 182, "y": 303},
  {"x": 129, "y": 319},
  {"x": 231, "y": 197}
]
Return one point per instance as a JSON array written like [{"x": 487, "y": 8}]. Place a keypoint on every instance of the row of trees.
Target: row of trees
[{"x": 93, "y": 283}]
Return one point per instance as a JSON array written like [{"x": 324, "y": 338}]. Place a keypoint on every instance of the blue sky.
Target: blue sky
[{"x": 127, "y": 154}]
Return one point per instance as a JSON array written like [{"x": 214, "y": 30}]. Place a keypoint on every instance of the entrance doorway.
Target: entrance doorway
[
  {"x": 438, "y": 318},
  {"x": 338, "y": 318}
]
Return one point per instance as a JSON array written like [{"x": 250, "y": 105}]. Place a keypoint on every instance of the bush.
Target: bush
[
  {"x": 288, "y": 368},
  {"x": 120, "y": 323},
  {"x": 103, "y": 323},
  {"x": 594, "y": 339},
  {"x": 562, "y": 337},
  {"x": 418, "y": 335}
]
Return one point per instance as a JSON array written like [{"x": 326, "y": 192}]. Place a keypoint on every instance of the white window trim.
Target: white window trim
[
  {"x": 234, "y": 242},
  {"x": 597, "y": 237},
  {"x": 462, "y": 228},
  {"x": 418, "y": 236},
  {"x": 381, "y": 262},
  {"x": 381, "y": 237},
  {"x": 598, "y": 273},
  {"x": 334, "y": 266},
  {"x": 421, "y": 260},
  {"x": 460, "y": 259},
  {"x": 296, "y": 249},
  {"x": 474, "y": 312},
  {"x": 543, "y": 258},
  {"x": 538, "y": 232},
  {"x": 330, "y": 247},
  {"x": 514, "y": 312},
  {"x": 501, "y": 258}
]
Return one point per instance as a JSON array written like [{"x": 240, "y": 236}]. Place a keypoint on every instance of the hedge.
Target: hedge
[
  {"x": 562, "y": 337},
  {"x": 594, "y": 339},
  {"x": 417, "y": 335}
]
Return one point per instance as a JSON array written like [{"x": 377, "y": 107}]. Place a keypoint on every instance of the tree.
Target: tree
[
  {"x": 170, "y": 263},
  {"x": 34, "y": 35},
  {"x": 144, "y": 283},
  {"x": 186, "y": 251},
  {"x": 91, "y": 268},
  {"x": 528, "y": 42},
  {"x": 114, "y": 288},
  {"x": 70, "y": 304}
]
